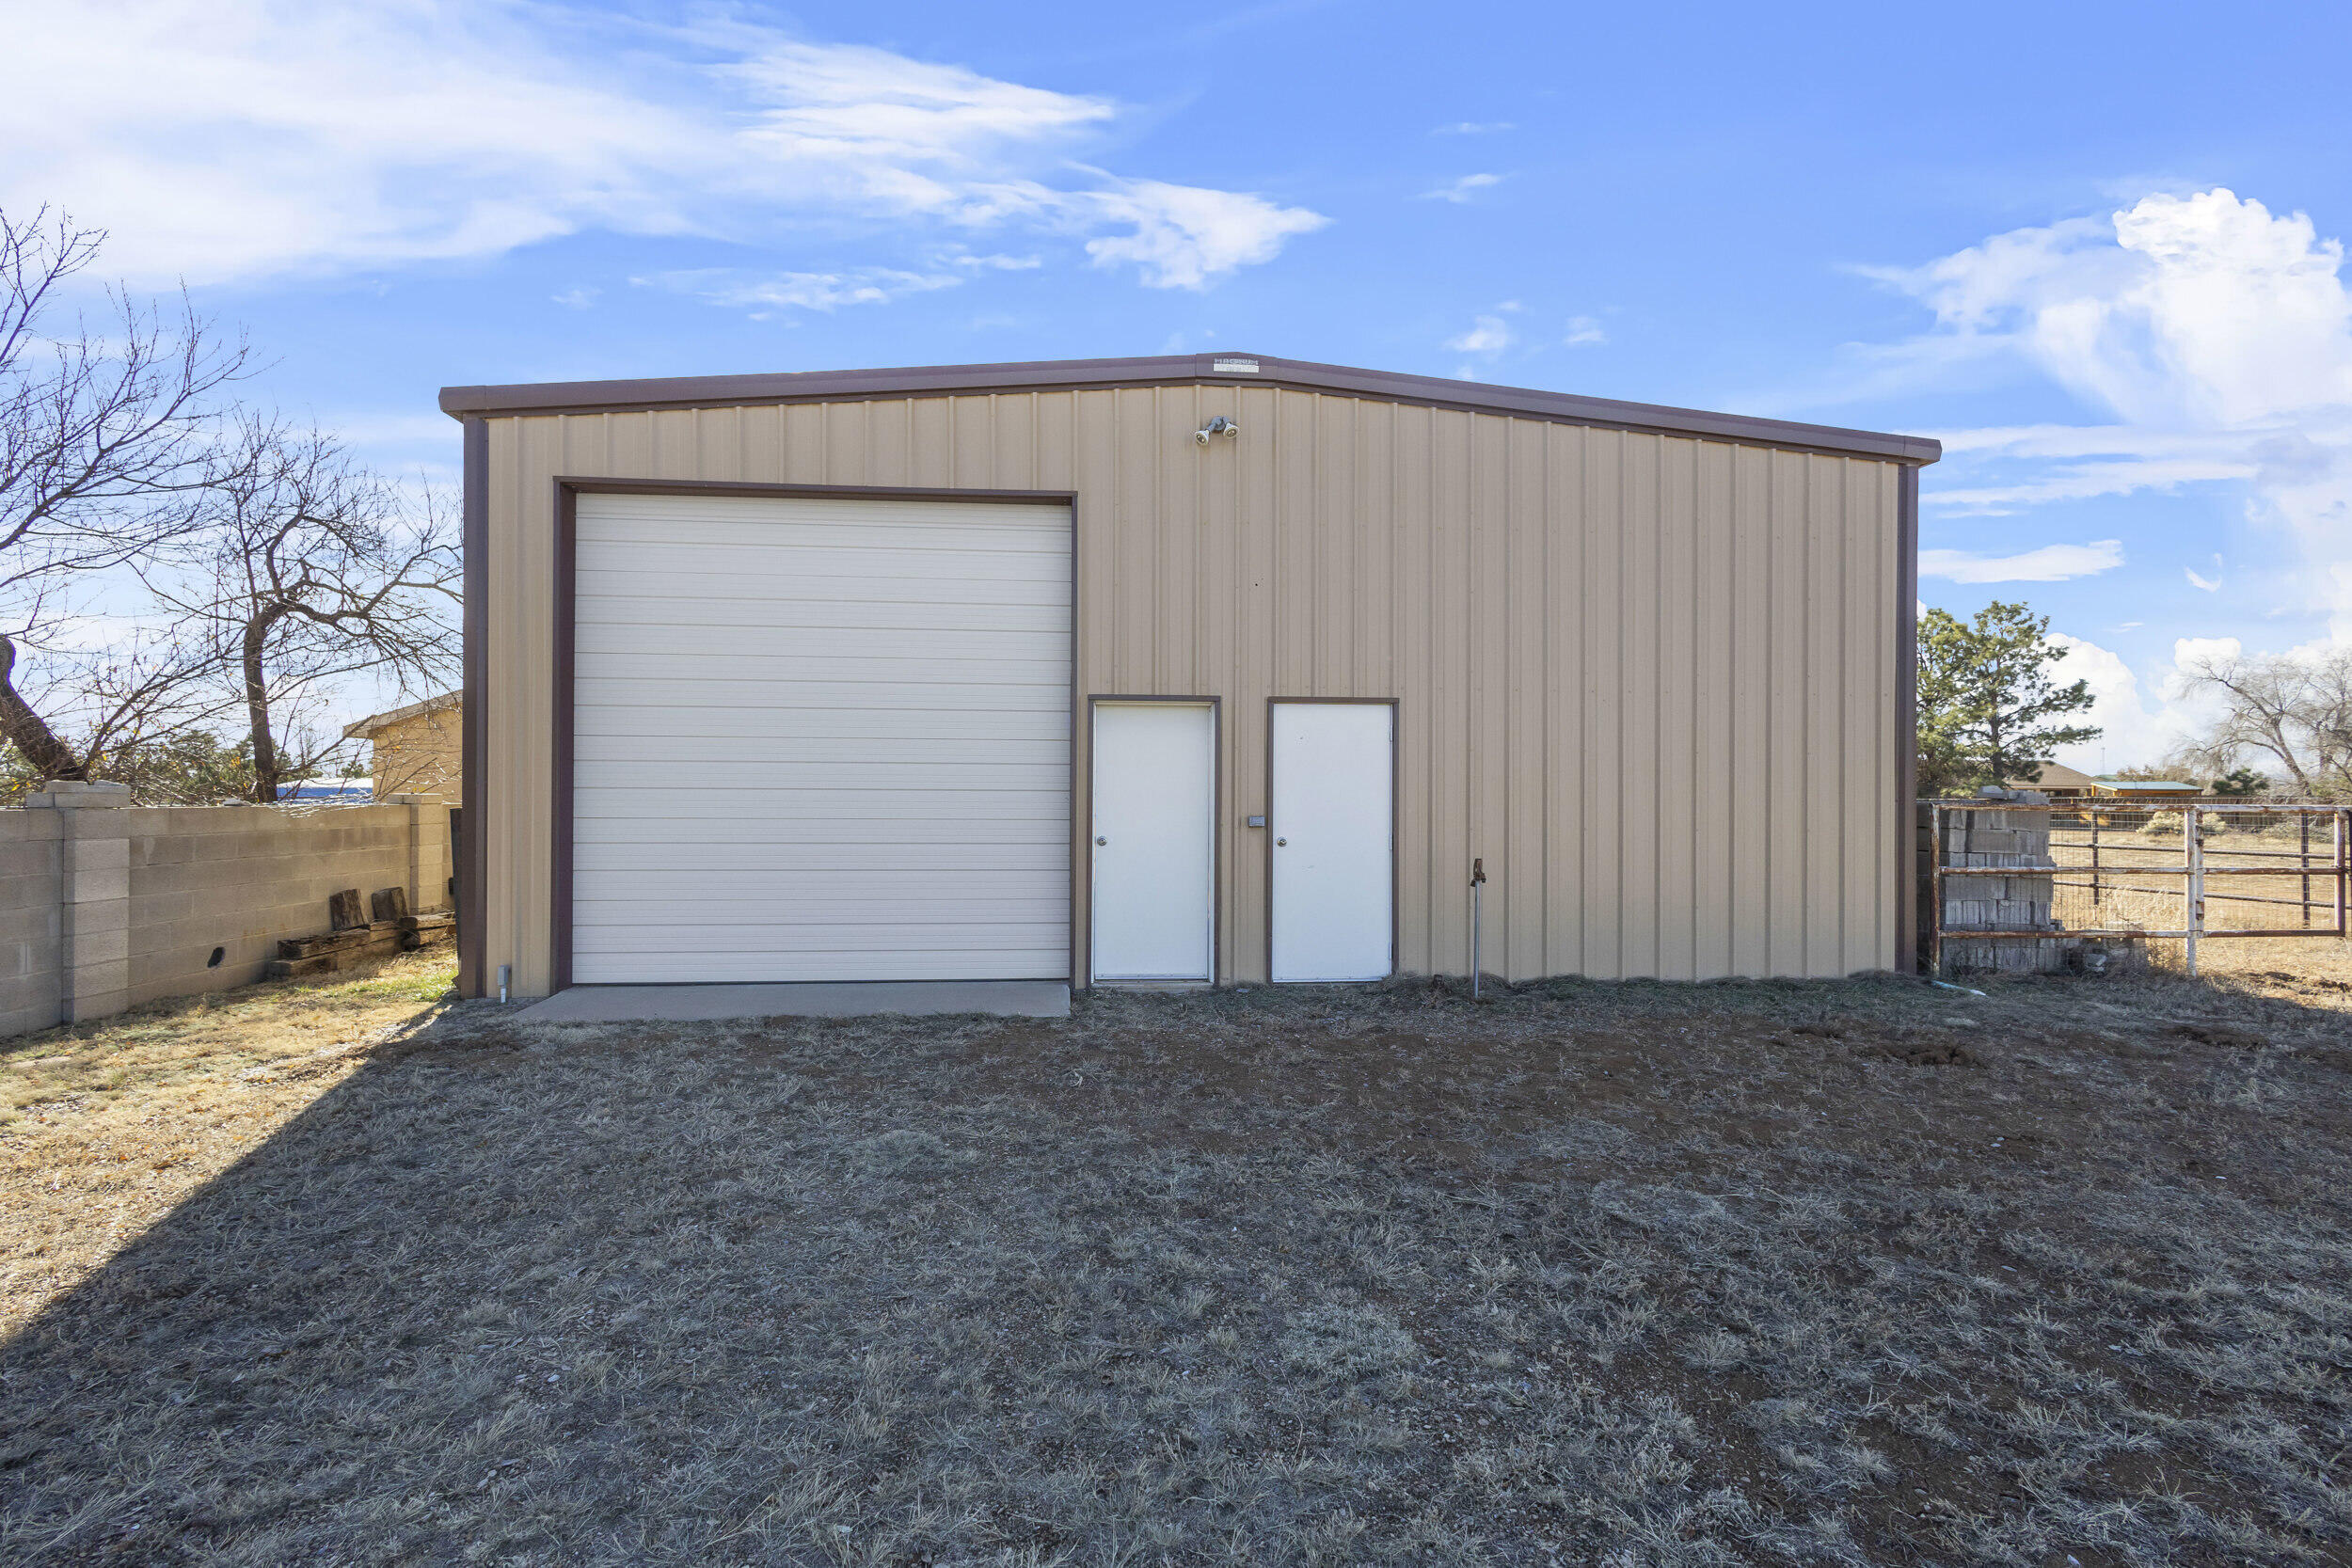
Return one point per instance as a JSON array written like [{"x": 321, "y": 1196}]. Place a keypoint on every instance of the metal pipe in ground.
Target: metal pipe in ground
[{"x": 1478, "y": 901}]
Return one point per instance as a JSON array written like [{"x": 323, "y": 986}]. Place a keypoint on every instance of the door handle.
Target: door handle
[
  {"x": 1281, "y": 841},
  {"x": 1102, "y": 841}
]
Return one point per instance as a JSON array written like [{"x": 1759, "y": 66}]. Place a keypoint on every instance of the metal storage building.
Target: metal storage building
[{"x": 990, "y": 672}]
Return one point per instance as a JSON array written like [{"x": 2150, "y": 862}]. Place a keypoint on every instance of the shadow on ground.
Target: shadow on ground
[{"x": 1854, "y": 1272}]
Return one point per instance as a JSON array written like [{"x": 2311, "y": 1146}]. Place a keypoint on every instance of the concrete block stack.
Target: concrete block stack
[{"x": 2016, "y": 834}]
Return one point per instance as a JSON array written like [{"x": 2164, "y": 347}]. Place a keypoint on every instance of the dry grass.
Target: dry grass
[
  {"x": 1631, "y": 1273},
  {"x": 106, "y": 1127}
]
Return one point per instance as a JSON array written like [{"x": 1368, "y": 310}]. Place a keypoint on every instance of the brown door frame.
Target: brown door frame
[
  {"x": 1396, "y": 779},
  {"x": 1217, "y": 822},
  {"x": 568, "y": 489}
]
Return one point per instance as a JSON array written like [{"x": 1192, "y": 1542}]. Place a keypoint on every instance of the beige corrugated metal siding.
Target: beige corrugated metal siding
[{"x": 1651, "y": 680}]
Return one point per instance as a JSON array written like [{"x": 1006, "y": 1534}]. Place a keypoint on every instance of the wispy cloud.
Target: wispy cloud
[
  {"x": 1583, "y": 331},
  {"x": 799, "y": 290},
  {"x": 2198, "y": 579},
  {"x": 2049, "y": 563},
  {"x": 1460, "y": 191},
  {"x": 1184, "y": 236},
  {"x": 244, "y": 139},
  {"x": 578, "y": 299},
  {"x": 2216, "y": 334},
  {"x": 1486, "y": 335},
  {"x": 1472, "y": 128}
]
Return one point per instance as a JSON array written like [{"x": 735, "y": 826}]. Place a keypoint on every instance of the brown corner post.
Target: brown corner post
[
  {"x": 1907, "y": 720},
  {"x": 473, "y": 722}
]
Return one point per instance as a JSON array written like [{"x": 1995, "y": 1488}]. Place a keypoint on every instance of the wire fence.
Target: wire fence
[{"x": 2020, "y": 885}]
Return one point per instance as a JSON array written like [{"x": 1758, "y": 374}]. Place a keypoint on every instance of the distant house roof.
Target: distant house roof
[
  {"x": 365, "y": 729},
  {"x": 2057, "y": 775},
  {"x": 2148, "y": 787}
]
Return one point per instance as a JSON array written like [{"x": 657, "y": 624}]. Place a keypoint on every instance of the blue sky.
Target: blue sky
[{"x": 2094, "y": 247}]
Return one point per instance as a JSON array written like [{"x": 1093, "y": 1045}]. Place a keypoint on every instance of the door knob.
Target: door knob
[
  {"x": 1281, "y": 841},
  {"x": 1102, "y": 841}
]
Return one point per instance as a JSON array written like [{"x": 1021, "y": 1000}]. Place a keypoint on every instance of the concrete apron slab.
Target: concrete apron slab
[{"x": 805, "y": 999}]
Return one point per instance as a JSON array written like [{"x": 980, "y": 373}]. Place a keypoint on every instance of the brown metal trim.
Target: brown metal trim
[
  {"x": 1081, "y": 960},
  {"x": 568, "y": 489},
  {"x": 1396, "y": 795},
  {"x": 587, "y": 485},
  {"x": 473, "y": 762},
  {"x": 1217, "y": 820},
  {"x": 560, "y": 758},
  {"x": 1907, "y": 722},
  {"x": 589, "y": 397}
]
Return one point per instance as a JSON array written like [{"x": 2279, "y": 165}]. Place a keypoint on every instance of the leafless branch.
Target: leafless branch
[
  {"x": 312, "y": 572},
  {"x": 106, "y": 448},
  {"x": 2291, "y": 713}
]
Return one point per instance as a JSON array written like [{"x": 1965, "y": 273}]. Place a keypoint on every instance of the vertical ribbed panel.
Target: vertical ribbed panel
[{"x": 1649, "y": 680}]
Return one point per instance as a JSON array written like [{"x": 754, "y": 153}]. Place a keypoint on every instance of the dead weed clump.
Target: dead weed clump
[
  {"x": 1858, "y": 1271},
  {"x": 1336, "y": 1340}
]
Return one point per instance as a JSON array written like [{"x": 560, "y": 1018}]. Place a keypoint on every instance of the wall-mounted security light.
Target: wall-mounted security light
[{"x": 1219, "y": 426}]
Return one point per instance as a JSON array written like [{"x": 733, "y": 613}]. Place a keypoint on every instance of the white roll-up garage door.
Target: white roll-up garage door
[{"x": 820, "y": 740}]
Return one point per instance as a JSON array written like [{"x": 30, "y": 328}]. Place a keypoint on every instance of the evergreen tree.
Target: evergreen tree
[{"x": 1987, "y": 705}]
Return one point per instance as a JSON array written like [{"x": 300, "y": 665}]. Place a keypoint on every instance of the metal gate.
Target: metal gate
[{"x": 2021, "y": 885}]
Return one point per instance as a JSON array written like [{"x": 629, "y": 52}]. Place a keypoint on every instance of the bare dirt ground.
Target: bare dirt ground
[{"x": 1842, "y": 1272}]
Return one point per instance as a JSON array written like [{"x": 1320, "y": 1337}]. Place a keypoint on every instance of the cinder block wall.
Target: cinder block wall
[
  {"x": 240, "y": 878},
  {"x": 32, "y": 945},
  {"x": 235, "y": 878}
]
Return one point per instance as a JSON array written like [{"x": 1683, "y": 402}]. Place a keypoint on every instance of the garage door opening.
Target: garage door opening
[{"x": 818, "y": 739}]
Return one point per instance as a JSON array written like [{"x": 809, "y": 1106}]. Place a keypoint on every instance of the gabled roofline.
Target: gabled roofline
[
  {"x": 364, "y": 729},
  {"x": 703, "y": 391}
]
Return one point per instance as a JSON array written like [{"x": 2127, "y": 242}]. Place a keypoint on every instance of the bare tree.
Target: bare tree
[
  {"x": 313, "y": 572},
  {"x": 120, "y": 710},
  {"x": 105, "y": 450},
  {"x": 2291, "y": 713}
]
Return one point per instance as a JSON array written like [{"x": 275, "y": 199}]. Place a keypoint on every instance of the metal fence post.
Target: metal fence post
[
  {"x": 2194, "y": 888},
  {"x": 2303, "y": 847},
  {"x": 1935, "y": 893},
  {"x": 2094, "y": 815},
  {"x": 2344, "y": 862}
]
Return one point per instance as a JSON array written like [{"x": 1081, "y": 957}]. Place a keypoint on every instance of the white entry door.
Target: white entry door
[
  {"x": 1155, "y": 840},
  {"x": 1333, "y": 824}
]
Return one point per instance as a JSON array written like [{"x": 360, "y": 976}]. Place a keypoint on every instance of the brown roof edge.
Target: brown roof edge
[
  {"x": 364, "y": 729},
  {"x": 595, "y": 397}
]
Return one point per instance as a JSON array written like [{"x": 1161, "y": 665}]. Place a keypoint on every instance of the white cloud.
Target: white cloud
[
  {"x": 1584, "y": 330},
  {"x": 579, "y": 299},
  {"x": 2049, "y": 563},
  {"x": 2211, "y": 585},
  {"x": 1472, "y": 128},
  {"x": 2216, "y": 333},
  {"x": 1461, "y": 190},
  {"x": 1488, "y": 335},
  {"x": 236, "y": 140},
  {"x": 2141, "y": 721},
  {"x": 1181, "y": 236},
  {"x": 799, "y": 290}
]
